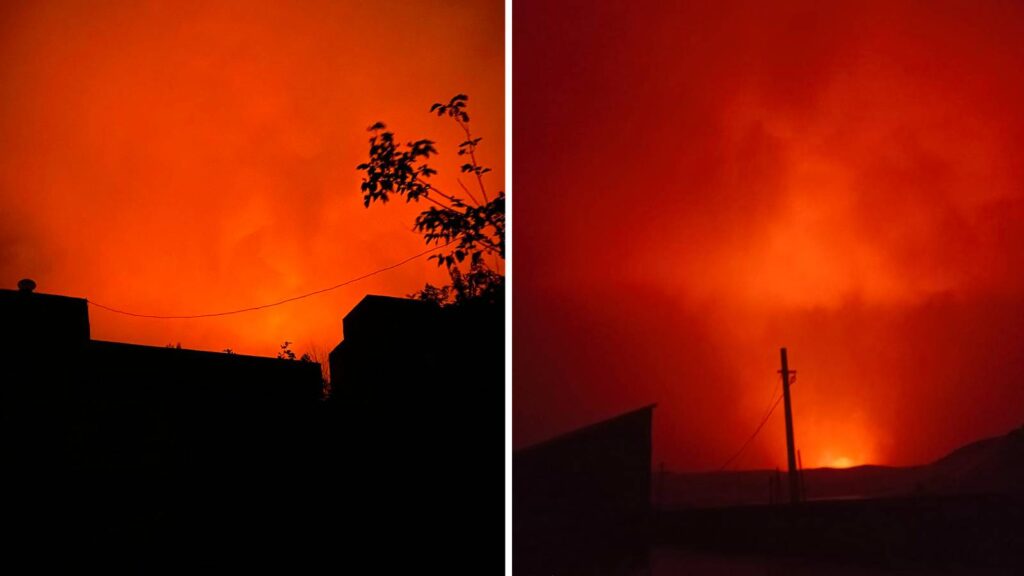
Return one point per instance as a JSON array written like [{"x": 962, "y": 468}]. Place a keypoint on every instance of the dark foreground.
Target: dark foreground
[
  {"x": 925, "y": 534},
  {"x": 120, "y": 458},
  {"x": 674, "y": 562}
]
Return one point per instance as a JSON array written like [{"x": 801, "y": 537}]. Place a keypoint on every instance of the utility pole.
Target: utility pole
[{"x": 794, "y": 482}]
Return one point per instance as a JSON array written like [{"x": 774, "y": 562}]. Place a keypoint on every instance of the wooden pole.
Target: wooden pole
[{"x": 794, "y": 482}]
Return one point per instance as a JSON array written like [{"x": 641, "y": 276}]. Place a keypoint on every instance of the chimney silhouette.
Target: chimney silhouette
[{"x": 39, "y": 320}]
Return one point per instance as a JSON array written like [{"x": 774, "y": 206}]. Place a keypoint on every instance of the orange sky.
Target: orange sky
[
  {"x": 701, "y": 183},
  {"x": 188, "y": 157}
]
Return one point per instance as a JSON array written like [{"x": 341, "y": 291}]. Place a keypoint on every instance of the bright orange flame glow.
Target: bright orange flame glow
[
  {"x": 842, "y": 462},
  {"x": 181, "y": 157},
  {"x": 727, "y": 178}
]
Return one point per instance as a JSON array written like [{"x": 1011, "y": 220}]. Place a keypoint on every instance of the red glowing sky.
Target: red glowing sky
[
  {"x": 700, "y": 183},
  {"x": 191, "y": 157}
]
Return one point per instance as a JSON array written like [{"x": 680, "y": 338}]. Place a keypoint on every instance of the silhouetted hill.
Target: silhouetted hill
[{"x": 988, "y": 466}]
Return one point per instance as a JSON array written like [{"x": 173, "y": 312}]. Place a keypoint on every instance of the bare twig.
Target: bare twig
[
  {"x": 468, "y": 193},
  {"x": 472, "y": 157}
]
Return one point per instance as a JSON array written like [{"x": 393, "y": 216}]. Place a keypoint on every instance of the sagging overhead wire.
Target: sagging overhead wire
[
  {"x": 272, "y": 304},
  {"x": 754, "y": 435}
]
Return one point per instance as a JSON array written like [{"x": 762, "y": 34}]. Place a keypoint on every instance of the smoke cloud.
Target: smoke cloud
[
  {"x": 191, "y": 157},
  {"x": 699, "y": 184}
]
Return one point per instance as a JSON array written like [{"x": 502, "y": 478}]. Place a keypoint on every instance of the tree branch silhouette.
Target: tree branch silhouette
[{"x": 470, "y": 227}]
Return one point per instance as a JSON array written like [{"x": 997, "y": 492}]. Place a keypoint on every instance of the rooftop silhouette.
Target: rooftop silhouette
[{"x": 145, "y": 458}]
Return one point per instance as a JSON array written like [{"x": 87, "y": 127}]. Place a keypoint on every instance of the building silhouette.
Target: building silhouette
[
  {"x": 425, "y": 385},
  {"x": 582, "y": 501},
  {"x": 152, "y": 459}
]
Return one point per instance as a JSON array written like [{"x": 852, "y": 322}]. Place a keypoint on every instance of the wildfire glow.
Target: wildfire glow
[
  {"x": 842, "y": 462},
  {"x": 181, "y": 158}
]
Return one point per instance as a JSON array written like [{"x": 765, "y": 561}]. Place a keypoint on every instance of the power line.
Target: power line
[
  {"x": 271, "y": 305},
  {"x": 752, "y": 436}
]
